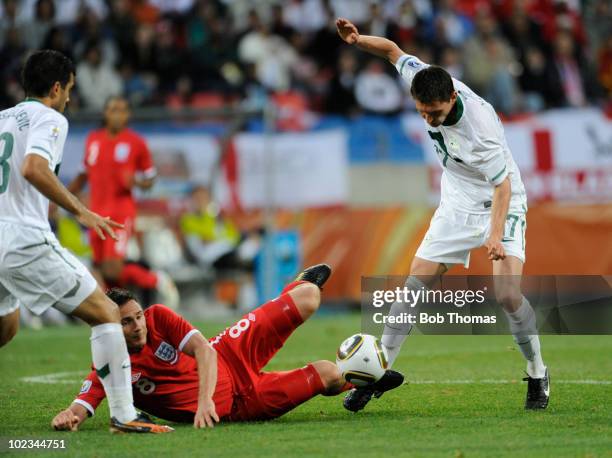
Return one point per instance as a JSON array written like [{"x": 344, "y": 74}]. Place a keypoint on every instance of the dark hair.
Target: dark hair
[
  {"x": 112, "y": 98},
  {"x": 43, "y": 69},
  {"x": 120, "y": 296},
  {"x": 432, "y": 84}
]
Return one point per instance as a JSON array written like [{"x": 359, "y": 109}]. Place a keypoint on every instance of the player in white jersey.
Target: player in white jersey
[
  {"x": 483, "y": 203},
  {"x": 35, "y": 270}
]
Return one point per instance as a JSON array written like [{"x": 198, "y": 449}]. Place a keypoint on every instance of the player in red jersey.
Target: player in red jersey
[
  {"x": 116, "y": 160},
  {"x": 179, "y": 376}
]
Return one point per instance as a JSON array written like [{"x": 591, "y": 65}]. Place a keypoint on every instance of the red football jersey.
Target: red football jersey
[
  {"x": 110, "y": 163},
  {"x": 165, "y": 380}
]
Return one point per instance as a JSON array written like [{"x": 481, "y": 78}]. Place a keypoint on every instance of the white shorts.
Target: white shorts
[
  {"x": 453, "y": 234},
  {"x": 37, "y": 272}
]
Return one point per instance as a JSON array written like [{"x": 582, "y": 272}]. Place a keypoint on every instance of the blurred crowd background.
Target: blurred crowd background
[{"x": 522, "y": 55}]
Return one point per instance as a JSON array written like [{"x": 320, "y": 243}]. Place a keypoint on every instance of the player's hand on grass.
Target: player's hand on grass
[
  {"x": 206, "y": 416},
  {"x": 66, "y": 420},
  {"x": 495, "y": 249},
  {"x": 99, "y": 224},
  {"x": 347, "y": 31}
]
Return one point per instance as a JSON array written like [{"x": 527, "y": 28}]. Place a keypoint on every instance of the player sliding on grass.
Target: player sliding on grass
[
  {"x": 179, "y": 376},
  {"x": 35, "y": 270},
  {"x": 483, "y": 203}
]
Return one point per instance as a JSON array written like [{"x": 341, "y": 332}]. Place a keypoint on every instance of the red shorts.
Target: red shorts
[
  {"x": 247, "y": 347},
  {"x": 104, "y": 250}
]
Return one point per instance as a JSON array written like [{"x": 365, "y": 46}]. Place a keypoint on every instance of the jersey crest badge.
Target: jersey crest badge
[
  {"x": 167, "y": 352},
  {"x": 122, "y": 151}
]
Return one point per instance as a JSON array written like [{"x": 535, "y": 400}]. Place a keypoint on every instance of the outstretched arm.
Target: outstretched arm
[
  {"x": 206, "y": 358},
  {"x": 378, "y": 46}
]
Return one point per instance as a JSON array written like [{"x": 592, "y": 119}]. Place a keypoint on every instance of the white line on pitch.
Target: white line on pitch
[
  {"x": 57, "y": 378},
  {"x": 71, "y": 378}
]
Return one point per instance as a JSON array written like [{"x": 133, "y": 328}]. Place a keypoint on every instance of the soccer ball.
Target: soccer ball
[{"x": 361, "y": 359}]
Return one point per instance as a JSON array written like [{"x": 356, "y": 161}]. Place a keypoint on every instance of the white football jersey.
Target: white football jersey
[
  {"x": 28, "y": 128},
  {"x": 473, "y": 152}
]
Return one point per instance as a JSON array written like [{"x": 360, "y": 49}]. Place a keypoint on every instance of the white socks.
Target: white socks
[
  {"x": 394, "y": 335},
  {"x": 525, "y": 333},
  {"x": 112, "y": 363}
]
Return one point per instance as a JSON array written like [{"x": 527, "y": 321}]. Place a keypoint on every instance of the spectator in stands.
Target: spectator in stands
[
  {"x": 537, "y": 91},
  {"x": 271, "y": 55},
  {"x": 305, "y": 15},
  {"x": 169, "y": 58},
  {"x": 376, "y": 91},
  {"x": 377, "y": 22},
  {"x": 407, "y": 25},
  {"x": 522, "y": 32},
  {"x": 8, "y": 19},
  {"x": 214, "y": 241},
  {"x": 11, "y": 57},
  {"x": 122, "y": 25},
  {"x": 598, "y": 15},
  {"x": 605, "y": 67},
  {"x": 89, "y": 30},
  {"x": 341, "y": 99},
  {"x": 209, "y": 47},
  {"x": 570, "y": 76},
  {"x": 58, "y": 40},
  {"x": 323, "y": 46},
  {"x": 452, "y": 61},
  {"x": 96, "y": 81},
  {"x": 173, "y": 6},
  {"x": 144, "y": 49},
  {"x": 450, "y": 27},
  {"x": 489, "y": 63},
  {"x": 278, "y": 25},
  {"x": 38, "y": 28}
]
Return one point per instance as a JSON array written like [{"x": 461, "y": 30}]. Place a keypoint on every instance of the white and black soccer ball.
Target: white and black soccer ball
[{"x": 361, "y": 359}]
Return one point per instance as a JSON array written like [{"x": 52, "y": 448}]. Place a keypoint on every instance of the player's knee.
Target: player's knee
[
  {"x": 509, "y": 298},
  {"x": 330, "y": 376},
  {"x": 307, "y": 298}
]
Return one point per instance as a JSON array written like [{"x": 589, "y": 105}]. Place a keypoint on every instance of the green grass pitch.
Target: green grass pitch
[{"x": 445, "y": 416}]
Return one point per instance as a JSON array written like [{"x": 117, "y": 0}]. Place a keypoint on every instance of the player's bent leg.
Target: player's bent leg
[
  {"x": 423, "y": 274},
  {"x": 331, "y": 378},
  {"x": 9, "y": 325},
  {"x": 109, "y": 353},
  {"x": 276, "y": 393},
  {"x": 307, "y": 298}
]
